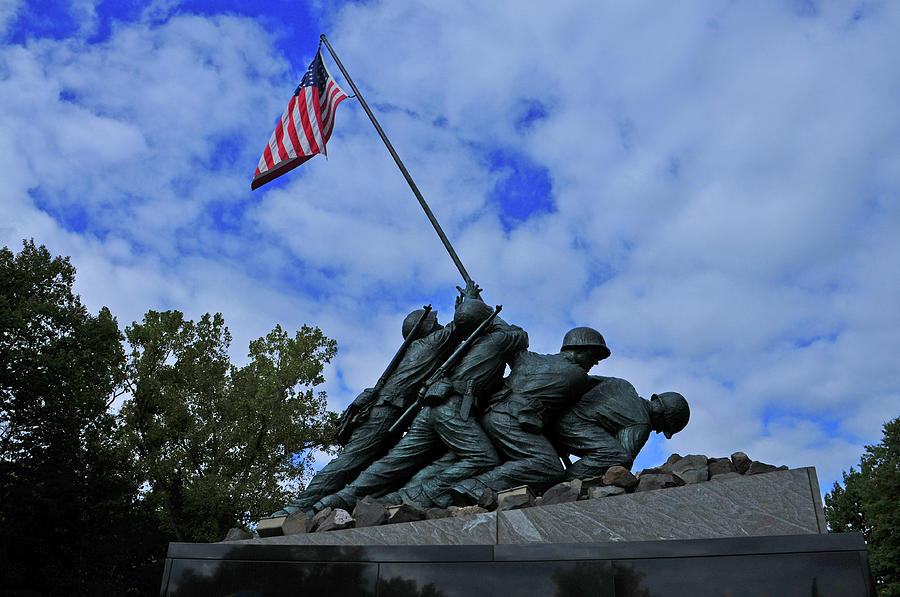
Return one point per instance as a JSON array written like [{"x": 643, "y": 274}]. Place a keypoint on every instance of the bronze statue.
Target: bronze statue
[
  {"x": 546, "y": 407},
  {"x": 537, "y": 389},
  {"x": 610, "y": 424},
  {"x": 366, "y": 421},
  {"x": 444, "y": 423}
]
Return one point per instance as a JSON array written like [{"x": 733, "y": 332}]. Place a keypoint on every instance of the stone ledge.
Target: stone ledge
[
  {"x": 776, "y": 503},
  {"x": 783, "y": 502}
]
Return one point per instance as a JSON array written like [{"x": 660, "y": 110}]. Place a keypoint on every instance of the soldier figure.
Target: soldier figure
[
  {"x": 610, "y": 424},
  {"x": 442, "y": 424},
  {"x": 537, "y": 389},
  {"x": 373, "y": 412}
]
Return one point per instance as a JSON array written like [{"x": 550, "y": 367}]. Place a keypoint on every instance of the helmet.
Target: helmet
[
  {"x": 471, "y": 312},
  {"x": 410, "y": 322},
  {"x": 584, "y": 337},
  {"x": 675, "y": 412}
]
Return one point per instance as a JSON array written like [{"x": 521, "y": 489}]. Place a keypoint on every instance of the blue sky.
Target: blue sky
[{"x": 714, "y": 186}]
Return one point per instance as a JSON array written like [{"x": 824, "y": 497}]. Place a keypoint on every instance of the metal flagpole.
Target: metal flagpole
[{"x": 412, "y": 184}]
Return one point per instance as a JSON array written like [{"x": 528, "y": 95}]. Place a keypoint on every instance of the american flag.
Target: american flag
[{"x": 305, "y": 126}]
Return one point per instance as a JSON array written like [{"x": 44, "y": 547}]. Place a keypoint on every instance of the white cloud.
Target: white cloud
[
  {"x": 724, "y": 190},
  {"x": 85, "y": 13},
  {"x": 9, "y": 11}
]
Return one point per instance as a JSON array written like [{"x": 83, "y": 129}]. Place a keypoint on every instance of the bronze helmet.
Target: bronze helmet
[
  {"x": 427, "y": 326},
  {"x": 585, "y": 337},
  {"x": 471, "y": 312},
  {"x": 676, "y": 412}
]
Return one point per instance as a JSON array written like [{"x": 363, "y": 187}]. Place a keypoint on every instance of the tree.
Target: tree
[
  {"x": 868, "y": 504},
  {"x": 220, "y": 445},
  {"x": 71, "y": 520}
]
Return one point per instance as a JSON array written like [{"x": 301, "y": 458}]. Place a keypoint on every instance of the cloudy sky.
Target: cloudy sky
[{"x": 714, "y": 186}]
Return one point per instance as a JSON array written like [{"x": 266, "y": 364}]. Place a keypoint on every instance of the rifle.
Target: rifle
[
  {"x": 359, "y": 409},
  {"x": 413, "y": 410}
]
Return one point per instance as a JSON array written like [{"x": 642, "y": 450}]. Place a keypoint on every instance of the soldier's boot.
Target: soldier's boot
[
  {"x": 298, "y": 505},
  {"x": 335, "y": 500},
  {"x": 466, "y": 492},
  {"x": 291, "y": 509},
  {"x": 438, "y": 496},
  {"x": 394, "y": 498},
  {"x": 408, "y": 495}
]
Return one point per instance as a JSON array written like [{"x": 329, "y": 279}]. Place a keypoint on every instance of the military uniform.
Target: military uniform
[
  {"x": 538, "y": 388},
  {"x": 606, "y": 427},
  {"x": 441, "y": 427},
  {"x": 371, "y": 439}
]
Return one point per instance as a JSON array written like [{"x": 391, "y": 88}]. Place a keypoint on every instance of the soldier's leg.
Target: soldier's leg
[
  {"x": 368, "y": 443},
  {"x": 413, "y": 489},
  {"x": 467, "y": 440},
  {"x": 605, "y": 453},
  {"x": 597, "y": 448},
  {"x": 414, "y": 450},
  {"x": 529, "y": 459}
]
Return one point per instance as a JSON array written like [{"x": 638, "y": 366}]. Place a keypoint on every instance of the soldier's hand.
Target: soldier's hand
[
  {"x": 472, "y": 291},
  {"x": 437, "y": 393}
]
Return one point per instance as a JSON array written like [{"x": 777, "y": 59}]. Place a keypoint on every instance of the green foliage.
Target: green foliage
[
  {"x": 88, "y": 500},
  {"x": 60, "y": 364},
  {"x": 70, "y": 517},
  {"x": 868, "y": 503},
  {"x": 217, "y": 443}
]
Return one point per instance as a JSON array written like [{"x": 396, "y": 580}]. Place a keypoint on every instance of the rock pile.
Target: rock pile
[{"x": 677, "y": 471}]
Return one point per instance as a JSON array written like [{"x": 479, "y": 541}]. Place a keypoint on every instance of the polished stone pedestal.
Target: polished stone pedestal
[
  {"x": 752, "y": 535},
  {"x": 785, "y": 566}
]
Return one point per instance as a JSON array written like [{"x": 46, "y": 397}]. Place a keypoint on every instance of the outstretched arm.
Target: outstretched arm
[
  {"x": 350, "y": 418},
  {"x": 632, "y": 439},
  {"x": 472, "y": 291}
]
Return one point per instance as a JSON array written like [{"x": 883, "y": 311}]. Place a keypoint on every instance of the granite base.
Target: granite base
[
  {"x": 747, "y": 536},
  {"x": 777, "y": 503}
]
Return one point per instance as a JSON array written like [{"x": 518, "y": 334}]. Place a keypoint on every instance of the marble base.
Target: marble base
[
  {"x": 478, "y": 529},
  {"x": 777, "y": 503}
]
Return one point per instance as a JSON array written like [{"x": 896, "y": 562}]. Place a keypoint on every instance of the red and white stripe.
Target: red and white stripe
[{"x": 304, "y": 129}]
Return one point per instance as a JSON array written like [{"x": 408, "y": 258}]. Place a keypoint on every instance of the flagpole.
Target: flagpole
[{"x": 409, "y": 180}]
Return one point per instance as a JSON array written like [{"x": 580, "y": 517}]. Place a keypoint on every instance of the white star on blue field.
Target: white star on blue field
[{"x": 712, "y": 186}]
